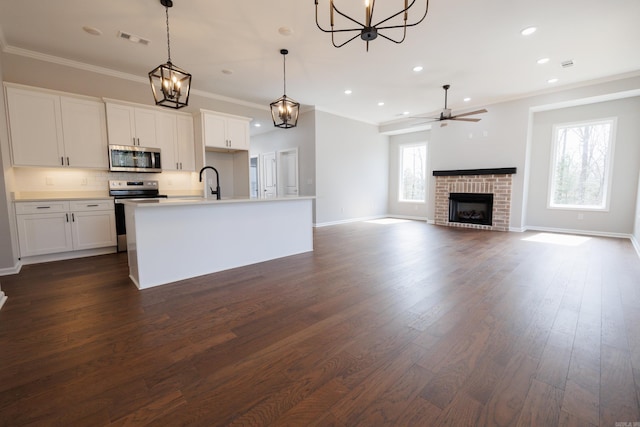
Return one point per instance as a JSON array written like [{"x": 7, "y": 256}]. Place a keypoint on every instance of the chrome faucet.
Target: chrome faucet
[{"x": 217, "y": 192}]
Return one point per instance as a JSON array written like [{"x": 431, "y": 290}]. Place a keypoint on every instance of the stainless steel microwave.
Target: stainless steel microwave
[{"x": 125, "y": 158}]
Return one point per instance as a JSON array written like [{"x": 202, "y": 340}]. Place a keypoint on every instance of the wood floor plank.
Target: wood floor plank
[{"x": 407, "y": 324}]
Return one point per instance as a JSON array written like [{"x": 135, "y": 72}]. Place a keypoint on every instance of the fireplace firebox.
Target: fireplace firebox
[{"x": 471, "y": 208}]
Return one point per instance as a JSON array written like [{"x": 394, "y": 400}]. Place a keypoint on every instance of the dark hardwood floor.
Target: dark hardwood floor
[{"x": 400, "y": 324}]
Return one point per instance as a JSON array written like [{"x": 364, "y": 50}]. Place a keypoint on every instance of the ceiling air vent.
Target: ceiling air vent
[
  {"x": 567, "y": 63},
  {"x": 133, "y": 38}
]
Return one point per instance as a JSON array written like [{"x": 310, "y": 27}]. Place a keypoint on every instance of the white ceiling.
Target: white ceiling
[{"x": 475, "y": 46}]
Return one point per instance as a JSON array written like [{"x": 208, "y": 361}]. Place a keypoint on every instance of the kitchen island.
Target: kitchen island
[{"x": 175, "y": 239}]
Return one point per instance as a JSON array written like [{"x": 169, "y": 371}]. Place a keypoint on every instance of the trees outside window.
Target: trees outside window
[
  {"x": 413, "y": 167},
  {"x": 581, "y": 165}
]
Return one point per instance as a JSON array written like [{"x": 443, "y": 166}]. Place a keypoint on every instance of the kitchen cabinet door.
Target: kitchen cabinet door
[
  {"x": 85, "y": 133},
  {"x": 225, "y": 132},
  {"x": 44, "y": 233},
  {"x": 238, "y": 134},
  {"x": 185, "y": 145},
  {"x": 93, "y": 229},
  {"x": 35, "y": 124},
  {"x": 121, "y": 124},
  {"x": 166, "y": 132},
  {"x": 128, "y": 125}
]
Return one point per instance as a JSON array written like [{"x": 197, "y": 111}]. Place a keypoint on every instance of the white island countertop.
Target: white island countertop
[{"x": 178, "y": 238}]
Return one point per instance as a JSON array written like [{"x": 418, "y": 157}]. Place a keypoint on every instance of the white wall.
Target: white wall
[
  {"x": 636, "y": 227},
  {"x": 352, "y": 170},
  {"x": 619, "y": 218},
  {"x": 395, "y": 207},
  {"x": 503, "y": 139}
]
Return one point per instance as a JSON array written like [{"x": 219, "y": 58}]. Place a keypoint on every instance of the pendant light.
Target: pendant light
[
  {"x": 170, "y": 84},
  {"x": 369, "y": 30},
  {"x": 284, "y": 111}
]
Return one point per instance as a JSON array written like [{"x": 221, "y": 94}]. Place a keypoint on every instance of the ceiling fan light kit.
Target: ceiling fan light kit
[
  {"x": 368, "y": 30},
  {"x": 170, "y": 84},
  {"x": 284, "y": 110}
]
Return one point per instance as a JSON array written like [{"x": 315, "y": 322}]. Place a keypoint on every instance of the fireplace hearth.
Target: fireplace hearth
[{"x": 471, "y": 208}]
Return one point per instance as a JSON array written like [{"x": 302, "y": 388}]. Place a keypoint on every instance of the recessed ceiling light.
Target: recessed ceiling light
[
  {"x": 92, "y": 30},
  {"x": 348, "y": 92},
  {"x": 467, "y": 99},
  {"x": 380, "y": 104},
  {"x": 285, "y": 31},
  {"x": 418, "y": 68},
  {"x": 406, "y": 113},
  {"x": 227, "y": 71},
  {"x": 257, "y": 125},
  {"x": 542, "y": 61},
  {"x": 552, "y": 80},
  {"x": 528, "y": 31}
]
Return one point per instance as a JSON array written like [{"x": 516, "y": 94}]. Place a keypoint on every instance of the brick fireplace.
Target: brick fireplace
[{"x": 496, "y": 182}]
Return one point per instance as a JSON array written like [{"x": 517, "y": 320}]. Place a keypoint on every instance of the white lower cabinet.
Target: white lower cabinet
[{"x": 64, "y": 226}]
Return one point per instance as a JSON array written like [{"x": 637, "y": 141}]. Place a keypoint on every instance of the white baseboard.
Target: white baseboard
[
  {"x": 579, "y": 232},
  {"x": 636, "y": 245},
  {"x": 11, "y": 270},
  {"x": 3, "y": 299},
  {"x": 68, "y": 255}
]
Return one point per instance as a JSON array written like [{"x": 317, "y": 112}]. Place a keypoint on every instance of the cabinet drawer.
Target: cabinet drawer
[
  {"x": 91, "y": 205},
  {"x": 41, "y": 207}
]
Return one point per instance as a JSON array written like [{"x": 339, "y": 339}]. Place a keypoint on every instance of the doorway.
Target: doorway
[{"x": 277, "y": 174}]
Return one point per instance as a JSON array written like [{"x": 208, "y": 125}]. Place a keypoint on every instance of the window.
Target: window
[
  {"x": 581, "y": 164},
  {"x": 413, "y": 166}
]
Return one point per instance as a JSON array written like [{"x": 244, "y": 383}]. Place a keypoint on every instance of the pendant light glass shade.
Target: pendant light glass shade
[
  {"x": 284, "y": 110},
  {"x": 170, "y": 84}
]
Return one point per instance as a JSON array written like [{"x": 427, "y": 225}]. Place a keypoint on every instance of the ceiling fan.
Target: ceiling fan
[{"x": 446, "y": 113}]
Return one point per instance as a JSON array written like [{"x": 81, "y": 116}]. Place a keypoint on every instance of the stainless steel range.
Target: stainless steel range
[{"x": 146, "y": 191}]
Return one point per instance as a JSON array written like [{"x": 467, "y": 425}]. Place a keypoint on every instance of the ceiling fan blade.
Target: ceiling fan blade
[
  {"x": 465, "y": 119},
  {"x": 470, "y": 113}
]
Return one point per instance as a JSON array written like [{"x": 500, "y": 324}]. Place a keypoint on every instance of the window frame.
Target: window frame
[
  {"x": 401, "y": 148},
  {"x": 608, "y": 166}
]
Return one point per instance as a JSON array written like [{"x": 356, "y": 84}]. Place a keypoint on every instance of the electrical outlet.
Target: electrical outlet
[
  {"x": 83, "y": 181},
  {"x": 48, "y": 180},
  {"x": 580, "y": 216}
]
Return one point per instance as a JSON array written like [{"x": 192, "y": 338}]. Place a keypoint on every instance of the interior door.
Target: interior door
[
  {"x": 288, "y": 172},
  {"x": 269, "y": 176}
]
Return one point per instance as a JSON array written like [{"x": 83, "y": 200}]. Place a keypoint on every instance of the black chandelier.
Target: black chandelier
[
  {"x": 170, "y": 84},
  {"x": 285, "y": 111},
  {"x": 367, "y": 30}
]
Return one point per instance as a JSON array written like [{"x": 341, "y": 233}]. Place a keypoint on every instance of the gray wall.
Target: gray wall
[
  {"x": 352, "y": 170},
  {"x": 620, "y": 216},
  {"x": 301, "y": 137},
  {"x": 395, "y": 207},
  {"x": 8, "y": 248}
]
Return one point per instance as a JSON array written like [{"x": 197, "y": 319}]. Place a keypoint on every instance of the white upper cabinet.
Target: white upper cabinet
[
  {"x": 128, "y": 125},
  {"x": 171, "y": 132},
  {"x": 36, "y": 128},
  {"x": 186, "y": 145},
  {"x": 85, "y": 132},
  {"x": 224, "y": 131},
  {"x": 51, "y": 130}
]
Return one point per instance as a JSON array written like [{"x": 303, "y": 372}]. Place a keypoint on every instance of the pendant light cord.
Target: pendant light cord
[
  {"x": 284, "y": 66},
  {"x": 166, "y": 9}
]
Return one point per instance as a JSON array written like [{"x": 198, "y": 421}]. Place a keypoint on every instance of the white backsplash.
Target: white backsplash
[{"x": 58, "y": 179}]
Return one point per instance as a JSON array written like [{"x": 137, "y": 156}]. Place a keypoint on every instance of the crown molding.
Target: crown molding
[{"x": 113, "y": 73}]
